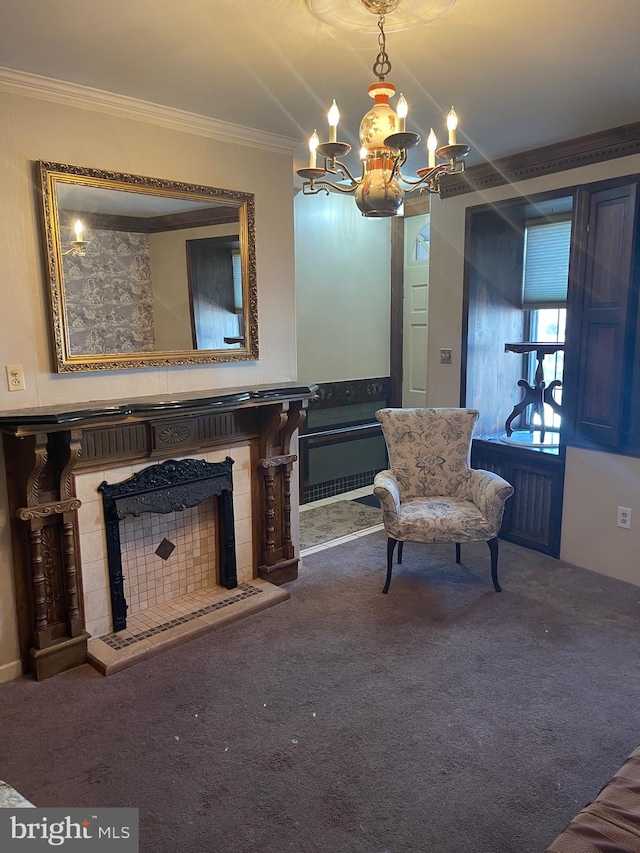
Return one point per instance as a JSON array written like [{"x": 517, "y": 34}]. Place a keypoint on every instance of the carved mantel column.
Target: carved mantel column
[
  {"x": 58, "y": 639},
  {"x": 276, "y": 464}
]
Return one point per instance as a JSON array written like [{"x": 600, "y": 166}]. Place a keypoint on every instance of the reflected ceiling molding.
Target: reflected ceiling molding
[{"x": 123, "y": 106}]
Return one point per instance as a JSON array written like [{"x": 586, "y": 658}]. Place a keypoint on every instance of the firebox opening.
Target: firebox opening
[{"x": 167, "y": 501}]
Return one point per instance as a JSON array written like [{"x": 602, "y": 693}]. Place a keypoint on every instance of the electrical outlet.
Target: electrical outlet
[
  {"x": 15, "y": 377},
  {"x": 445, "y": 356},
  {"x": 624, "y": 517}
]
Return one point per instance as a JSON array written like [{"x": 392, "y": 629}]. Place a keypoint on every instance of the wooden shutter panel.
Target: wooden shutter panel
[{"x": 607, "y": 280}]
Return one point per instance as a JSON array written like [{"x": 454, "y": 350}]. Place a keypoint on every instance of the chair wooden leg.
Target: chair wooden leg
[
  {"x": 391, "y": 545},
  {"x": 457, "y": 552},
  {"x": 493, "y": 547},
  {"x": 400, "y": 544}
]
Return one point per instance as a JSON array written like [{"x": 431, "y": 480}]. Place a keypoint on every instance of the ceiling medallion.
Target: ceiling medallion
[
  {"x": 353, "y": 15},
  {"x": 381, "y": 188}
]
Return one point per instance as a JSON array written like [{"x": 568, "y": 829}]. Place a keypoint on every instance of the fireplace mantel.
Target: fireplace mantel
[{"x": 46, "y": 447}]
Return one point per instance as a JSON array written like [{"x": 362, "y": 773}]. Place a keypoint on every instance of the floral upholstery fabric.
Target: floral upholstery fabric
[
  {"x": 431, "y": 494},
  {"x": 428, "y": 449}
]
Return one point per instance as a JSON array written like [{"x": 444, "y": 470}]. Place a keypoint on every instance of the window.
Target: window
[
  {"x": 547, "y": 325},
  {"x": 544, "y": 297},
  {"x": 421, "y": 246}
]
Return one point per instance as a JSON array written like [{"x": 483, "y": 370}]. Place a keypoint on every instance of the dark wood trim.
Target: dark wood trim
[
  {"x": 573, "y": 331},
  {"x": 522, "y": 208},
  {"x": 558, "y": 157},
  {"x": 396, "y": 345},
  {"x": 417, "y": 205},
  {"x": 157, "y": 224},
  {"x": 350, "y": 391},
  {"x": 527, "y": 467},
  {"x": 464, "y": 342},
  {"x": 103, "y": 412},
  {"x": 518, "y": 209}
]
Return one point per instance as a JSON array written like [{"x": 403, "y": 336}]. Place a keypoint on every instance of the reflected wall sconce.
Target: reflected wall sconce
[{"x": 78, "y": 245}]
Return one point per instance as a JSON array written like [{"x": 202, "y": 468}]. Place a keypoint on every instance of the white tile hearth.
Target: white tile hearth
[{"x": 168, "y": 625}]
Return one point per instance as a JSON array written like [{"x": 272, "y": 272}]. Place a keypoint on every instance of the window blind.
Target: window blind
[{"x": 546, "y": 264}]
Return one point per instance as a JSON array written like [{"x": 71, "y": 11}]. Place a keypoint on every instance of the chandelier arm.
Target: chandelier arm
[
  {"x": 308, "y": 189},
  {"x": 441, "y": 169},
  {"x": 341, "y": 188},
  {"x": 344, "y": 170},
  {"x": 398, "y": 162}
]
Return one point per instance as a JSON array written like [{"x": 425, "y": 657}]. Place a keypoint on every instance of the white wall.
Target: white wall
[
  {"x": 33, "y": 129},
  {"x": 596, "y": 483},
  {"x": 343, "y": 274}
]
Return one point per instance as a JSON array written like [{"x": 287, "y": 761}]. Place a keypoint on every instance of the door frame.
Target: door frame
[{"x": 414, "y": 207}]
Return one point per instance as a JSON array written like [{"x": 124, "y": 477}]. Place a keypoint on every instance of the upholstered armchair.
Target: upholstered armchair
[{"x": 430, "y": 494}]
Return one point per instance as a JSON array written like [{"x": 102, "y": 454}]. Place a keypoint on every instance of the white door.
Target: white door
[{"x": 415, "y": 311}]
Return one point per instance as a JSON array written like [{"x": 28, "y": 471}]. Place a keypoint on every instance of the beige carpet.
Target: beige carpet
[{"x": 331, "y": 521}]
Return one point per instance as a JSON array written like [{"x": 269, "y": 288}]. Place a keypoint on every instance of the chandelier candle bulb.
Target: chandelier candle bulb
[
  {"x": 402, "y": 111},
  {"x": 363, "y": 160},
  {"x": 78, "y": 230},
  {"x": 452, "y": 124},
  {"x": 314, "y": 141},
  {"x": 334, "y": 118},
  {"x": 432, "y": 144}
]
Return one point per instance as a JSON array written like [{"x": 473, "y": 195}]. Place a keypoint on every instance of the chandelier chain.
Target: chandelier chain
[{"x": 382, "y": 65}]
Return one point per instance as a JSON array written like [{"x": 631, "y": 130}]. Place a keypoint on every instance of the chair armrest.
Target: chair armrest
[
  {"x": 385, "y": 488},
  {"x": 489, "y": 491}
]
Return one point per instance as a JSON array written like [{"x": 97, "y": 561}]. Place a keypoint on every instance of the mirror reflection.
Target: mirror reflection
[{"x": 144, "y": 272}]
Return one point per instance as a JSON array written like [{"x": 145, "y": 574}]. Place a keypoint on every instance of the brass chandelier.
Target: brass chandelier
[{"x": 381, "y": 188}]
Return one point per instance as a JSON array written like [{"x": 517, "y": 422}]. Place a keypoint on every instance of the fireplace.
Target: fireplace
[
  {"x": 149, "y": 580},
  {"x": 57, "y": 457},
  {"x": 168, "y": 487}
]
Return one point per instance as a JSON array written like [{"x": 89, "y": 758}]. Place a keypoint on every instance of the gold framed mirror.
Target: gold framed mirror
[{"x": 144, "y": 272}]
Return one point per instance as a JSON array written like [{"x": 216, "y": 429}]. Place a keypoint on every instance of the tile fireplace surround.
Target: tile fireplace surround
[{"x": 57, "y": 456}]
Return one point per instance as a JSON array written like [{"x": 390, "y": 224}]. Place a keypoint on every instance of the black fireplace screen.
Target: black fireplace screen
[{"x": 168, "y": 487}]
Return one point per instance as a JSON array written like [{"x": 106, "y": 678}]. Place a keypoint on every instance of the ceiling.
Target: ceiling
[{"x": 521, "y": 73}]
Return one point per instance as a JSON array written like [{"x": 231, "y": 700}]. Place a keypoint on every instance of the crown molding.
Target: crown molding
[
  {"x": 85, "y": 97},
  {"x": 571, "y": 154}
]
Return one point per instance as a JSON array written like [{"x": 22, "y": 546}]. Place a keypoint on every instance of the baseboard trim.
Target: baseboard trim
[{"x": 10, "y": 671}]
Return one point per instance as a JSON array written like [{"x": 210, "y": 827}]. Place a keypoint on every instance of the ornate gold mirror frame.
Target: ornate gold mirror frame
[{"x": 144, "y": 272}]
